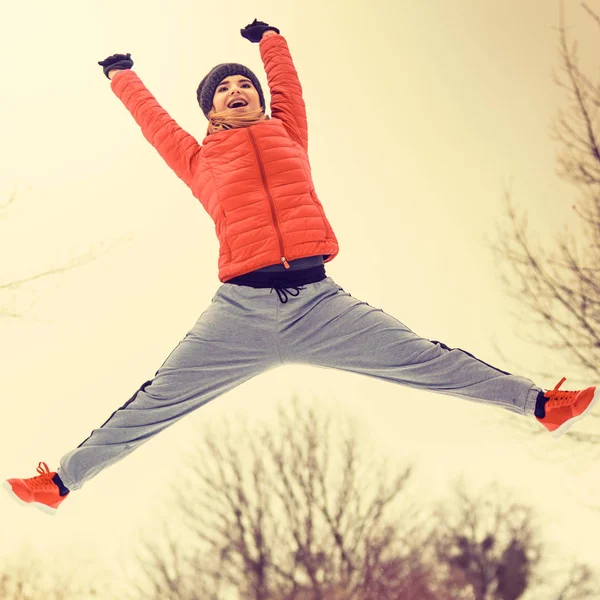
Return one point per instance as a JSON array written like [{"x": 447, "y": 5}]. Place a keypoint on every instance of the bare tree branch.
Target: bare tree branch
[
  {"x": 558, "y": 294},
  {"x": 77, "y": 262}
]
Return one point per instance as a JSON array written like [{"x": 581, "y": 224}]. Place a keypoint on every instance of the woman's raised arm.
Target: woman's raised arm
[{"x": 179, "y": 149}]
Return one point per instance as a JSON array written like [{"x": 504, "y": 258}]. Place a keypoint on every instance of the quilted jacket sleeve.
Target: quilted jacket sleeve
[
  {"x": 178, "y": 148},
  {"x": 287, "y": 103}
]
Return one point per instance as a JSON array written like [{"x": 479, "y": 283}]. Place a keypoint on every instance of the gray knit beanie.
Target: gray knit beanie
[{"x": 207, "y": 87}]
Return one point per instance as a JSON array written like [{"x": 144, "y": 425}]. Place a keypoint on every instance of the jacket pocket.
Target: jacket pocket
[
  {"x": 222, "y": 233},
  {"x": 328, "y": 230},
  {"x": 317, "y": 203}
]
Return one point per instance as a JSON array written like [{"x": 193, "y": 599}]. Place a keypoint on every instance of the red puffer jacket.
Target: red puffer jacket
[{"x": 255, "y": 182}]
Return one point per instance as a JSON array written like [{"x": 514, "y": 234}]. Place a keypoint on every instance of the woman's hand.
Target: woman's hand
[
  {"x": 116, "y": 62},
  {"x": 255, "y": 31}
]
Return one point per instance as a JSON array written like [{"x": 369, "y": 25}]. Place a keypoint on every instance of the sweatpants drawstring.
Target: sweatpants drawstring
[{"x": 282, "y": 289}]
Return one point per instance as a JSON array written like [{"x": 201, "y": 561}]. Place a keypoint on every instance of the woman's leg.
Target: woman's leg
[
  {"x": 231, "y": 342},
  {"x": 340, "y": 332}
]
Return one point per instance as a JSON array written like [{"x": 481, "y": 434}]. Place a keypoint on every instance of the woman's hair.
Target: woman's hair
[{"x": 228, "y": 119}]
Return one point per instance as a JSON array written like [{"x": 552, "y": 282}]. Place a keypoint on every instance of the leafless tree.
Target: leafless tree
[
  {"x": 488, "y": 548},
  {"x": 558, "y": 288},
  {"x": 26, "y": 576},
  {"x": 10, "y": 287},
  {"x": 487, "y": 545},
  {"x": 291, "y": 511}
]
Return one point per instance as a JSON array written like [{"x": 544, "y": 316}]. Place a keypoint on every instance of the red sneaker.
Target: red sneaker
[
  {"x": 39, "y": 491},
  {"x": 564, "y": 408}
]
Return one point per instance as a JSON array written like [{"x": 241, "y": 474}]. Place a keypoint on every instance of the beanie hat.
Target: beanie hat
[{"x": 207, "y": 87}]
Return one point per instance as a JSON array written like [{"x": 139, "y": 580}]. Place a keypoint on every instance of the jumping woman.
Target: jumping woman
[{"x": 252, "y": 175}]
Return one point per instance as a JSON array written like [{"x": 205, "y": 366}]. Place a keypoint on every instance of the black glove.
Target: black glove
[
  {"x": 116, "y": 61},
  {"x": 254, "y": 31}
]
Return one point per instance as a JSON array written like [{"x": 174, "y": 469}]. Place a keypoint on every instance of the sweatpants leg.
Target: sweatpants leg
[
  {"x": 229, "y": 344},
  {"x": 330, "y": 328}
]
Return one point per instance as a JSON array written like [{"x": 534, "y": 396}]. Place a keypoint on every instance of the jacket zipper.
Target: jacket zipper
[{"x": 271, "y": 203}]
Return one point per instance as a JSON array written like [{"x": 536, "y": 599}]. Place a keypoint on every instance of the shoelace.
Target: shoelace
[
  {"x": 557, "y": 398},
  {"x": 41, "y": 480}
]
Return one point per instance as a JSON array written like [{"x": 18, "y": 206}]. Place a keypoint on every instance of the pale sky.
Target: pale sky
[{"x": 419, "y": 114}]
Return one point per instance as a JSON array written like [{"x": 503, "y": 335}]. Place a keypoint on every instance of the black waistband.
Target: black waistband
[{"x": 280, "y": 279}]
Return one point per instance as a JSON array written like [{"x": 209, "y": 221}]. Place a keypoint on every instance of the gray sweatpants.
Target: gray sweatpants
[{"x": 246, "y": 331}]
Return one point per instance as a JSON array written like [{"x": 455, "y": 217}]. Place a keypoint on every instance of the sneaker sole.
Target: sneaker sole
[
  {"x": 43, "y": 507},
  {"x": 568, "y": 424}
]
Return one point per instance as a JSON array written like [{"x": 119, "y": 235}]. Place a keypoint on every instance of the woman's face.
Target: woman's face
[{"x": 234, "y": 88}]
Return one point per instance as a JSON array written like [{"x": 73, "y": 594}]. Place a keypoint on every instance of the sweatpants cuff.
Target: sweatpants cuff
[
  {"x": 531, "y": 400},
  {"x": 69, "y": 483}
]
